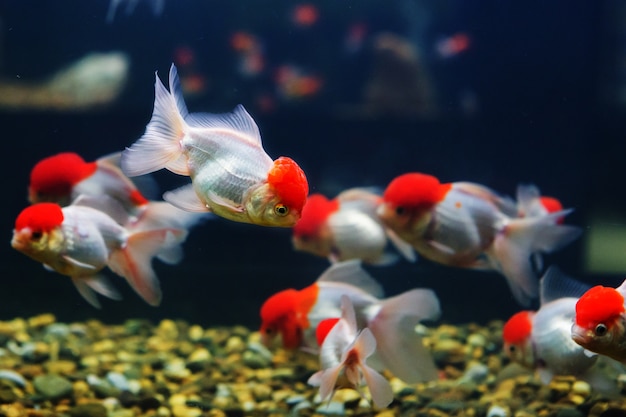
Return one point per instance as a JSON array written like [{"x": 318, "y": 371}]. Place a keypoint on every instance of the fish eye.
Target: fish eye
[
  {"x": 400, "y": 210},
  {"x": 512, "y": 349},
  {"x": 281, "y": 209},
  {"x": 601, "y": 329},
  {"x": 269, "y": 330},
  {"x": 36, "y": 235}
]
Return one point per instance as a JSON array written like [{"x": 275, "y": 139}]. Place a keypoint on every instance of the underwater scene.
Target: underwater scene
[{"x": 352, "y": 208}]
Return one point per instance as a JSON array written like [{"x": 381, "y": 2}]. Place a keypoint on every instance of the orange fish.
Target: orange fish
[
  {"x": 600, "y": 324},
  {"x": 305, "y": 15},
  {"x": 82, "y": 239},
  {"x": 345, "y": 227},
  {"x": 343, "y": 358},
  {"x": 61, "y": 178},
  {"x": 231, "y": 174},
  {"x": 469, "y": 226},
  {"x": 295, "y": 314}
]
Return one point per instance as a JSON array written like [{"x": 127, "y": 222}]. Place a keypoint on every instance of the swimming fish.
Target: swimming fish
[
  {"x": 295, "y": 314},
  {"x": 80, "y": 240},
  {"x": 530, "y": 203},
  {"x": 541, "y": 340},
  {"x": 468, "y": 225},
  {"x": 231, "y": 174},
  {"x": 343, "y": 358},
  {"x": 62, "y": 177},
  {"x": 345, "y": 227},
  {"x": 600, "y": 324}
]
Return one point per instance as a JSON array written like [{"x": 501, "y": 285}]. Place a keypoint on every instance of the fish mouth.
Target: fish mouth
[{"x": 579, "y": 335}]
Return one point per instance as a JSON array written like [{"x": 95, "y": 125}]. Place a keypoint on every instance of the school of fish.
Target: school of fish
[{"x": 85, "y": 217}]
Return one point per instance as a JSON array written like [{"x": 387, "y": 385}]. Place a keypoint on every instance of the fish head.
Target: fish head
[
  {"x": 38, "y": 232},
  {"x": 53, "y": 178},
  {"x": 279, "y": 317},
  {"x": 408, "y": 202},
  {"x": 280, "y": 199},
  {"x": 600, "y": 323},
  {"x": 517, "y": 338},
  {"x": 312, "y": 232}
]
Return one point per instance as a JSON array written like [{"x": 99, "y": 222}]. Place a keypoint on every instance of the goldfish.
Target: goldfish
[
  {"x": 530, "y": 203},
  {"x": 231, "y": 175},
  {"x": 62, "y": 177},
  {"x": 600, "y": 324},
  {"x": 541, "y": 340},
  {"x": 343, "y": 358},
  {"x": 295, "y": 314},
  {"x": 467, "y": 225},
  {"x": 345, "y": 227},
  {"x": 82, "y": 239}
]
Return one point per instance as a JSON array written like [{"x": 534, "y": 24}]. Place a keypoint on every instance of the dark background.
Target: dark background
[{"x": 547, "y": 77}]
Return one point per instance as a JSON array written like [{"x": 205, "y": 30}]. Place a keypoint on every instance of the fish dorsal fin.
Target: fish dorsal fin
[
  {"x": 347, "y": 313},
  {"x": 555, "y": 284},
  {"x": 350, "y": 272},
  {"x": 177, "y": 92},
  {"x": 238, "y": 121},
  {"x": 105, "y": 204}
]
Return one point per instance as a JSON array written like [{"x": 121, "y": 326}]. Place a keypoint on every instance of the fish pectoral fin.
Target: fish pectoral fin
[
  {"x": 185, "y": 198},
  {"x": 48, "y": 268},
  {"x": 78, "y": 263},
  {"x": 442, "y": 248},
  {"x": 224, "y": 202}
]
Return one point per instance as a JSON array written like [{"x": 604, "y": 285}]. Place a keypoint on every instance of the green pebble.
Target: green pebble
[{"x": 52, "y": 386}]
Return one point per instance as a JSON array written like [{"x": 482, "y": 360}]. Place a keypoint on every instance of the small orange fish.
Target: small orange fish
[
  {"x": 343, "y": 358},
  {"x": 295, "y": 315},
  {"x": 231, "y": 175},
  {"x": 467, "y": 225},
  {"x": 600, "y": 324}
]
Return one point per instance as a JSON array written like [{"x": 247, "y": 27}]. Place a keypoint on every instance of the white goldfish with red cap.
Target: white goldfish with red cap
[
  {"x": 344, "y": 350},
  {"x": 468, "y": 225},
  {"x": 345, "y": 227},
  {"x": 600, "y": 324},
  {"x": 82, "y": 239},
  {"x": 63, "y": 177},
  {"x": 231, "y": 175},
  {"x": 295, "y": 314},
  {"x": 541, "y": 340}
]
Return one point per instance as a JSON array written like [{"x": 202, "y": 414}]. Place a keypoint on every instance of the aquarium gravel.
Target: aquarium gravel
[{"x": 174, "y": 368}]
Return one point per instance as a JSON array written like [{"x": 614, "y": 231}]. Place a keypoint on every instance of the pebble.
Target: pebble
[{"x": 53, "y": 386}]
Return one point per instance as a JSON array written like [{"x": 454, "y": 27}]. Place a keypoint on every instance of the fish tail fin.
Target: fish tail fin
[
  {"x": 162, "y": 215},
  {"x": 133, "y": 261},
  {"x": 326, "y": 379},
  {"x": 159, "y": 147},
  {"x": 399, "y": 348},
  {"x": 520, "y": 240}
]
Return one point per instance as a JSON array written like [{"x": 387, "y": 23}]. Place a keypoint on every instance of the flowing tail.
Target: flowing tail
[
  {"x": 522, "y": 238},
  {"x": 159, "y": 147},
  {"x": 133, "y": 260},
  {"x": 399, "y": 348}
]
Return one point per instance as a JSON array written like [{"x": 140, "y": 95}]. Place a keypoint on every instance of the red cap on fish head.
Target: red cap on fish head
[
  {"x": 598, "y": 305},
  {"x": 518, "y": 328},
  {"x": 415, "y": 190},
  {"x": 551, "y": 204},
  {"x": 323, "y": 328},
  {"x": 290, "y": 183},
  {"x": 57, "y": 174},
  {"x": 278, "y": 315},
  {"x": 41, "y": 217},
  {"x": 314, "y": 214}
]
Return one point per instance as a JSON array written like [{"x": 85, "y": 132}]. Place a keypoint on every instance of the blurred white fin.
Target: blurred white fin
[
  {"x": 89, "y": 286},
  {"x": 400, "y": 348},
  {"x": 555, "y": 284},
  {"x": 351, "y": 272}
]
